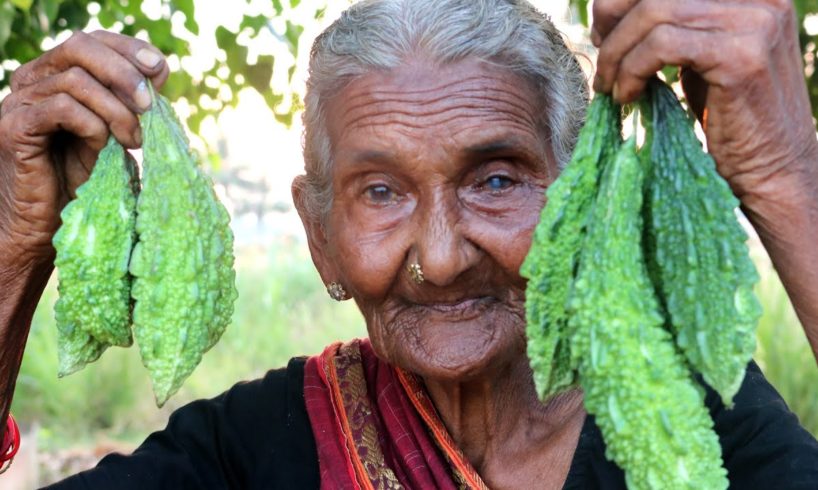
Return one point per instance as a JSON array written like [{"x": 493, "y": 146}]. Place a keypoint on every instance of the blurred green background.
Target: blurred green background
[{"x": 238, "y": 79}]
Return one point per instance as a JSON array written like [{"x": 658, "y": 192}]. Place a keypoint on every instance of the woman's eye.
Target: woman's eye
[
  {"x": 380, "y": 193},
  {"x": 498, "y": 183}
]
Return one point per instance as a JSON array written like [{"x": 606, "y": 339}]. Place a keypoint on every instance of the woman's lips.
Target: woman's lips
[{"x": 461, "y": 309}]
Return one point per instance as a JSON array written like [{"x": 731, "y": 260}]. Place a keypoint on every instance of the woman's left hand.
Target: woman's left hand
[
  {"x": 744, "y": 77},
  {"x": 747, "y": 73}
]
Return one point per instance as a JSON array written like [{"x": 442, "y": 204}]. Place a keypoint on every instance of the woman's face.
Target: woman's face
[{"x": 444, "y": 167}]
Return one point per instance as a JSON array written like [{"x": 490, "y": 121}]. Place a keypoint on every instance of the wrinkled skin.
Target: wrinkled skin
[
  {"x": 759, "y": 131},
  {"x": 61, "y": 110},
  {"x": 751, "y": 95},
  {"x": 446, "y": 167},
  {"x": 58, "y": 117}
]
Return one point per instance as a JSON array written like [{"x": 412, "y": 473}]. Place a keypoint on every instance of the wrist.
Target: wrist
[
  {"x": 784, "y": 197},
  {"x": 22, "y": 285},
  {"x": 18, "y": 267}
]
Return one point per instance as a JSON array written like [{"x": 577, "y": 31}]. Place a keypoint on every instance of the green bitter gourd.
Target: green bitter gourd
[
  {"x": 696, "y": 248},
  {"x": 184, "y": 283},
  {"x": 557, "y": 239},
  {"x": 650, "y": 412},
  {"x": 93, "y": 248}
]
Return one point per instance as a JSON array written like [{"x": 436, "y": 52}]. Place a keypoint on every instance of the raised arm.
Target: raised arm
[
  {"x": 745, "y": 79},
  {"x": 62, "y": 107}
]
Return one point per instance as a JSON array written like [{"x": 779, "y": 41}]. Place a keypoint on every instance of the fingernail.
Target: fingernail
[
  {"x": 596, "y": 39},
  {"x": 137, "y": 137},
  {"x": 616, "y": 91},
  {"x": 141, "y": 96},
  {"x": 148, "y": 57}
]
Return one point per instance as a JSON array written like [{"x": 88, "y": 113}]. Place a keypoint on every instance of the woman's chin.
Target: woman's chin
[{"x": 445, "y": 346}]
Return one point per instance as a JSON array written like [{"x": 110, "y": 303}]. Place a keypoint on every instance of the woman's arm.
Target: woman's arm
[
  {"x": 62, "y": 107},
  {"x": 746, "y": 82},
  {"x": 21, "y": 292}
]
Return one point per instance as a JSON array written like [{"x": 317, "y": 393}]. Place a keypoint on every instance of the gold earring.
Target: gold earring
[
  {"x": 336, "y": 291},
  {"x": 416, "y": 273}
]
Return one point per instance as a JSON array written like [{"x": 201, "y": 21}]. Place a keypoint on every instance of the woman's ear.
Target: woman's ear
[{"x": 316, "y": 238}]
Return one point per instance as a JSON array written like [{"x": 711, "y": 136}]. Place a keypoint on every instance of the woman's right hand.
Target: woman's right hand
[{"x": 61, "y": 110}]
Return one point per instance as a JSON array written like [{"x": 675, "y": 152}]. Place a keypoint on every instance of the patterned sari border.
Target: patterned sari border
[
  {"x": 361, "y": 480},
  {"x": 417, "y": 394}
]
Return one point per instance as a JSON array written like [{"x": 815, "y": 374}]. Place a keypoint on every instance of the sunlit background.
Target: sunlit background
[{"x": 282, "y": 310}]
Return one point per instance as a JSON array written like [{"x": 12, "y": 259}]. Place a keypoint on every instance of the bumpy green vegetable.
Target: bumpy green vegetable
[
  {"x": 184, "y": 283},
  {"x": 557, "y": 240},
  {"x": 651, "y": 414},
  {"x": 696, "y": 249},
  {"x": 93, "y": 248}
]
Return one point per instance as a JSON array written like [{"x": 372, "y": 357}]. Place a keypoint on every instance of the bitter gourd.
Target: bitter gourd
[
  {"x": 649, "y": 411},
  {"x": 696, "y": 249},
  {"x": 557, "y": 240},
  {"x": 184, "y": 282},
  {"x": 93, "y": 248}
]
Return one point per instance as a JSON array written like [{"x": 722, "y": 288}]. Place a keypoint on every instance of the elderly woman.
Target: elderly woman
[{"x": 433, "y": 128}]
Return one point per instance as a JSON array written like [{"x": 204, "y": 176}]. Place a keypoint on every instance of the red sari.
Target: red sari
[{"x": 375, "y": 427}]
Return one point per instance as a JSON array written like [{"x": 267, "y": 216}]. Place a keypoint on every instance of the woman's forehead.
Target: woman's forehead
[{"x": 458, "y": 101}]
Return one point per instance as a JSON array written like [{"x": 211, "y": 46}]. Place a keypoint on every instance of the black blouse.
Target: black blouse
[{"x": 257, "y": 435}]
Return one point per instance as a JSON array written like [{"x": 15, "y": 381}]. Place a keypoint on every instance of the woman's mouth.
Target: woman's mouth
[{"x": 462, "y": 309}]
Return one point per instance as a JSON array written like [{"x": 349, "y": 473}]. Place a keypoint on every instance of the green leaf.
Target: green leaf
[
  {"x": 292, "y": 34},
  {"x": 236, "y": 58},
  {"x": 160, "y": 35},
  {"x": 277, "y": 6},
  {"x": 225, "y": 38},
  {"x": 260, "y": 74},
  {"x": 582, "y": 9},
  {"x": 254, "y": 22},
  {"x": 131, "y": 8},
  {"x": 285, "y": 119},
  {"x": 187, "y": 7},
  {"x": 178, "y": 84},
  {"x": 106, "y": 18},
  {"x": 7, "y": 13},
  {"x": 272, "y": 99},
  {"x": 48, "y": 10},
  {"x": 23, "y": 5},
  {"x": 74, "y": 14},
  {"x": 20, "y": 49},
  {"x": 294, "y": 3}
]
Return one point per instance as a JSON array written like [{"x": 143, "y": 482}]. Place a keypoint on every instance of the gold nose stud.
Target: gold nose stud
[{"x": 415, "y": 272}]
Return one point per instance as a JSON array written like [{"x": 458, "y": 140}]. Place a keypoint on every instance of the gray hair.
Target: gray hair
[{"x": 381, "y": 34}]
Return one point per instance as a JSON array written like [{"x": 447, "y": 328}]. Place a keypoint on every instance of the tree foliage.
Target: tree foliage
[{"x": 26, "y": 24}]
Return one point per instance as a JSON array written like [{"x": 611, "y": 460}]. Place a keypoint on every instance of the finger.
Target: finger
[
  {"x": 608, "y": 13},
  {"x": 31, "y": 129},
  {"x": 631, "y": 30},
  {"x": 692, "y": 16},
  {"x": 145, "y": 56},
  {"x": 102, "y": 62},
  {"x": 87, "y": 90},
  {"x": 662, "y": 47},
  {"x": 63, "y": 112}
]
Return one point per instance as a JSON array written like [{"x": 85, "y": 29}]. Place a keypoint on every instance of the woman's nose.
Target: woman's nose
[{"x": 443, "y": 250}]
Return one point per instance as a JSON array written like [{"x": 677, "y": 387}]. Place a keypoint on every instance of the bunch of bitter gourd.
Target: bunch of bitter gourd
[
  {"x": 157, "y": 262},
  {"x": 639, "y": 272}
]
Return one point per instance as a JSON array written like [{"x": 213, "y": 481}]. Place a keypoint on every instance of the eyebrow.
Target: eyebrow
[
  {"x": 373, "y": 156},
  {"x": 503, "y": 145},
  {"x": 481, "y": 150},
  {"x": 492, "y": 147}
]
